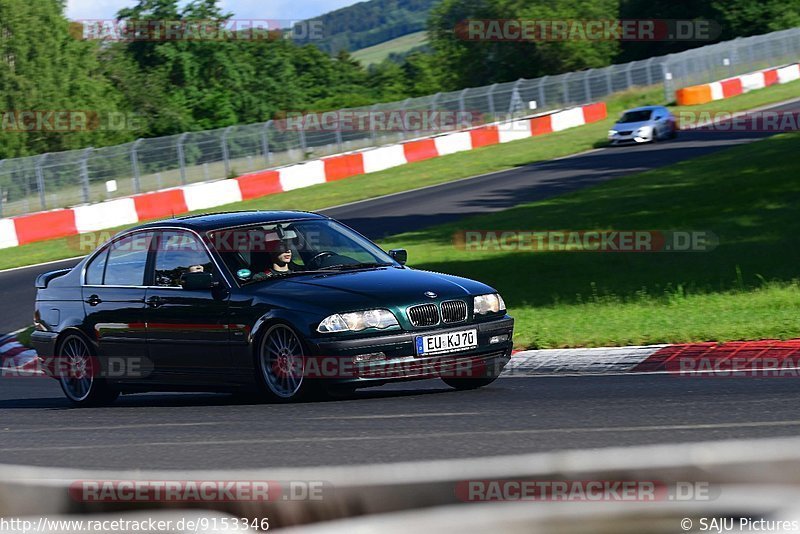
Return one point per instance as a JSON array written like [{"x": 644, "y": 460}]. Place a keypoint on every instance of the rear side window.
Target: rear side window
[
  {"x": 96, "y": 269},
  {"x": 127, "y": 259},
  {"x": 180, "y": 253}
]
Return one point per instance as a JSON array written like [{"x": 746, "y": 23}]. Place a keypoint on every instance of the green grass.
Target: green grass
[
  {"x": 430, "y": 172},
  {"x": 379, "y": 52},
  {"x": 746, "y": 288}
]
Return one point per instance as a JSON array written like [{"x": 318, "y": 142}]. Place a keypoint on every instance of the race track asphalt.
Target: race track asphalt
[
  {"x": 402, "y": 422},
  {"x": 413, "y": 421}
]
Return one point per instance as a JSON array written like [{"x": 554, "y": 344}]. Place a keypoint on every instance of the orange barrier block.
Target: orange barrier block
[
  {"x": 541, "y": 125},
  {"x": 345, "y": 166},
  {"x": 420, "y": 150},
  {"x": 770, "y": 77},
  {"x": 45, "y": 225},
  {"x": 485, "y": 136},
  {"x": 595, "y": 112},
  {"x": 731, "y": 87},
  {"x": 693, "y": 95},
  {"x": 259, "y": 184},
  {"x": 160, "y": 204}
]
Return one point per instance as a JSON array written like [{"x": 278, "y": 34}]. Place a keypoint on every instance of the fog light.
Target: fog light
[
  {"x": 375, "y": 356},
  {"x": 498, "y": 339}
]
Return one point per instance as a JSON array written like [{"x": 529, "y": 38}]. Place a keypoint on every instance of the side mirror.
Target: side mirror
[
  {"x": 400, "y": 255},
  {"x": 197, "y": 281}
]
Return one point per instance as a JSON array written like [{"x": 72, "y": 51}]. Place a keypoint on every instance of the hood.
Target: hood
[
  {"x": 632, "y": 126},
  {"x": 383, "y": 287}
]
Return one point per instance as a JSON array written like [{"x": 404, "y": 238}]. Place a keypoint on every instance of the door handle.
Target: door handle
[
  {"x": 155, "y": 302},
  {"x": 94, "y": 300}
]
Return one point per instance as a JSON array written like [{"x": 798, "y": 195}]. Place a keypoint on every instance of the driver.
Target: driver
[{"x": 281, "y": 262}]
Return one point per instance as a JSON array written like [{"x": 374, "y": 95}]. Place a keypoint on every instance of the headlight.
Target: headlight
[
  {"x": 489, "y": 304},
  {"x": 612, "y": 133},
  {"x": 356, "y": 321}
]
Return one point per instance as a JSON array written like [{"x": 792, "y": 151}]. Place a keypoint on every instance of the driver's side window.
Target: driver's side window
[{"x": 179, "y": 253}]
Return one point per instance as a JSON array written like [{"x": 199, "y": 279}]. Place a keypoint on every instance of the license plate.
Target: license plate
[{"x": 450, "y": 342}]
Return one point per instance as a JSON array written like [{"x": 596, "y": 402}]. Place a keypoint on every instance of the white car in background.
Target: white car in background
[{"x": 643, "y": 125}]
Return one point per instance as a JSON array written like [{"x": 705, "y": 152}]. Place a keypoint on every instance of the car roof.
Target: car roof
[
  {"x": 214, "y": 221},
  {"x": 645, "y": 108}
]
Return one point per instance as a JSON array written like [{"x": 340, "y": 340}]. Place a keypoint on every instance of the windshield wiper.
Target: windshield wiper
[{"x": 347, "y": 266}]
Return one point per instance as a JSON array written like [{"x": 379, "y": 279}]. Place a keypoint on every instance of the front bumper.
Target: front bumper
[
  {"x": 629, "y": 139},
  {"x": 370, "y": 360}
]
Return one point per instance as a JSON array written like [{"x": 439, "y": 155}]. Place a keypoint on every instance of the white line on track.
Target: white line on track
[
  {"x": 105, "y": 427},
  {"x": 395, "y": 437},
  {"x": 393, "y": 416}
]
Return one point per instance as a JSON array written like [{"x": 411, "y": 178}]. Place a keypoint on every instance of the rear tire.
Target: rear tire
[{"x": 78, "y": 374}]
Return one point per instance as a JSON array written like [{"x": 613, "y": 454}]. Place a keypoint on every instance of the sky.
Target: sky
[{"x": 242, "y": 9}]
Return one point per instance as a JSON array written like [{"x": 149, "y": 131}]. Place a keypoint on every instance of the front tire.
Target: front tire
[
  {"x": 78, "y": 374},
  {"x": 281, "y": 364}
]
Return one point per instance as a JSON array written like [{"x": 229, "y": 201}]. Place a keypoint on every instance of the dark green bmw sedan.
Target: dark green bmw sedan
[{"x": 281, "y": 304}]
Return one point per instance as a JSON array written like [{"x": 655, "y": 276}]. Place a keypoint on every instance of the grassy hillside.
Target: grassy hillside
[
  {"x": 371, "y": 23},
  {"x": 401, "y": 45}
]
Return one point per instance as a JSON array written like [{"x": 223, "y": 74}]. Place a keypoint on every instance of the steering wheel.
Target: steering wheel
[{"x": 321, "y": 256}]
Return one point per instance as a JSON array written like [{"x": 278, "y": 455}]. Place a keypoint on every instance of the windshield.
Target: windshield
[
  {"x": 635, "y": 116},
  {"x": 256, "y": 253}
]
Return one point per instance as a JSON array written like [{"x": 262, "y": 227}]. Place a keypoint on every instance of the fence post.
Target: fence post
[
  {"x": 586, "y": 86},
  {"x": 85, "y": 174},
  {"x": 628, "y": 78},
  {"x": 490, "y": 99},
  {"x": 182, "y": 157},
  {"x": 566, "y": 88},
  {"x": 135, "y": 165},
  {"x": 462, "y": 108},
  {"x": 667, "y": 75},
  {"x": 515, "y": 97},
  {"x": 609, "y": 81},
  {"x": 403, "y": 115},
  {"x": 373, "y": 133},
  {"x": 265, "y": 142},
  {"x": 40, "y": 180},
  {"x": 649, "y": 71},
  {"x": 542, "y": 103},
  {"x": 226, "y": 156},
  {"x": 302, "y": 133}
]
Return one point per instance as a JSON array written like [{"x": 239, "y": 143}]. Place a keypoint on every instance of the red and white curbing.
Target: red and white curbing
[
  {"x": 708, "y": 92},
  {"x": 13, "y": 355},
  {"x": 130, "y": 210},
  {"x": 760, "y": 358}
]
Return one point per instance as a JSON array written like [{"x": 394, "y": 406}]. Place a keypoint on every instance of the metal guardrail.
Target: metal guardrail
[
  {"x": 71, "y": 178},
  {"x": 749, "y": 478}
]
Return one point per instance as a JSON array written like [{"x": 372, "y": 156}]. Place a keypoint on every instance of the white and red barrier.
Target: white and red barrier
[
  {"x": 130, "y": 210},
  {"x": 708, "y": 92}
]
